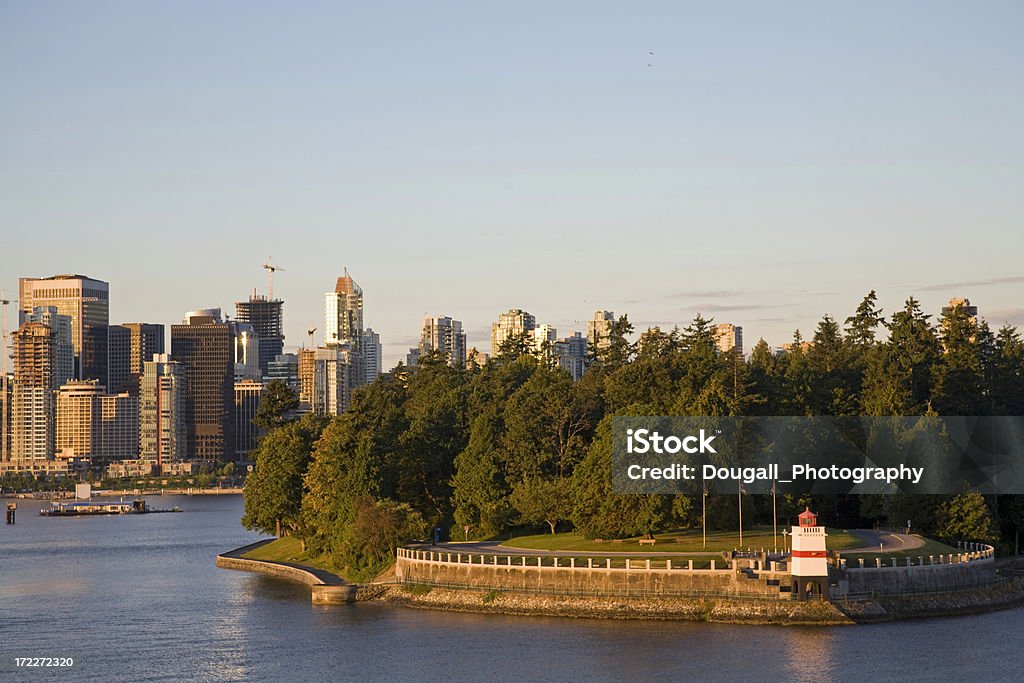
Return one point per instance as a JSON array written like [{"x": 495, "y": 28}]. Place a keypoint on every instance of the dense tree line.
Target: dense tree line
[{"x": 516, "y": 442}]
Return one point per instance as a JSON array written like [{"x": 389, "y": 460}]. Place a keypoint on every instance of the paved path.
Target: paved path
[{"x": 890, "y": 541}]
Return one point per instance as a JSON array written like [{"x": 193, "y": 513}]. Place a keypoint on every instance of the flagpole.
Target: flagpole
[
  {"x": 739, "y": 504},
  {"x": 704, "y": 517},
  {"x": 775, "y": 540}
]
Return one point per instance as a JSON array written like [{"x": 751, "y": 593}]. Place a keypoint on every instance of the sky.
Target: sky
[{"x": 770, "y": 162}]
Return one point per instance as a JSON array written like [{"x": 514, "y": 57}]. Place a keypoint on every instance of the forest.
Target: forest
[{"x": 515, "y": 444}]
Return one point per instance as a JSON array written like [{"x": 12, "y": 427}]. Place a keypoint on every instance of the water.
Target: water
[{"x": 138, "y": 598}]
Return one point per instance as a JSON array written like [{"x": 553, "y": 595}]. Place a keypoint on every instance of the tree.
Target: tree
[
  {"x": 274, "y": 490},
  {"x": 377, "y": 528},
  {"x": 965, "y": 518},
  {"x": 543, "y": 500},
  {"x": 277, "y": 406}
]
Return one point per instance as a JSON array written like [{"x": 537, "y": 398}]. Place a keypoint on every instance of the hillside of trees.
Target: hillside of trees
[{"x": 516, "y": 443}]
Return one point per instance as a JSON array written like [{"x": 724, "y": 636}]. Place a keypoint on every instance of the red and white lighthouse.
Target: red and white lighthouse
[{"x": 809, "y": 558}]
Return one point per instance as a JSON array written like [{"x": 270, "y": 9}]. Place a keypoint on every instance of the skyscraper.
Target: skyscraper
[
  {"x": 333, "y": 368},
  {"x": 130, "y": 346},
  {"x": 205, "y": 348},
  {"x": 372, "y": 355},
  {"x": 247, "y": 402},
  {"x": 343, "y": 313},
  {"x": 162, "y": 428},
  {"x": 444, "y": 335},
  {"x": 247, "y": 346},
  {"x": 266, "y": 317},
  {"x": 542, "y": 340},
  {"x": 513, "y": 323},
  {"x": 87, "y": 302},
  {"x": 94, "y": 424}
]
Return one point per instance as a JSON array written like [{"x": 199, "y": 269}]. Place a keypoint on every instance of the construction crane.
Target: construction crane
[
  {"x": 5, "y": 424},
  {"x": 271, "y": 269},
  {"x": 310, "y": 333}
]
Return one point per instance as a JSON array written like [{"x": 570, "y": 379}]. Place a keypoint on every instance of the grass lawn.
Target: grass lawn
[
  {"x": 688, "y": 540},
  {"x": 930, "y": 547},
  {"x": 289, "y": 549}
]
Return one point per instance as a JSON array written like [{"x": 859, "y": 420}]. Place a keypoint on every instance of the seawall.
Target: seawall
[{"x": 325, "y": 588}]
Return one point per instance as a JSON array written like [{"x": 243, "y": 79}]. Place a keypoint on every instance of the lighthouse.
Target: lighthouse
[{"x": 809, "y": 559}]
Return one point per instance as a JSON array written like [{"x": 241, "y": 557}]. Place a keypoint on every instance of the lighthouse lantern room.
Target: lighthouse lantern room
[{"x": 809, "y": 558}]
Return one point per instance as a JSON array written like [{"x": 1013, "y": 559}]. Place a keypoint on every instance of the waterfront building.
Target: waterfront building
[
  {"x": 372, "y": 355},
  {"x": 599, "y": 330},
  {"x": 247, "y": 402},
  {"x": 87, "y": 302},
  {"x": 119, "y": 427},
  {"x": 729, "y": 337},
  {"x": 809, "y": 557},
  {"x": 205, "y": 347},
  {"x": 79, "y": 418},
  {"x": 33, "y": 413},
  {"x": 443, "y": 335},
  {"x": 571, "y": 354},
  {"x": 512, "y": 324},
  {"x": 266, "y": 317},
  {"x": 6, "y": 387},
  {"x": 162, "y": 427},
  {"x": 130, "y": 346}
]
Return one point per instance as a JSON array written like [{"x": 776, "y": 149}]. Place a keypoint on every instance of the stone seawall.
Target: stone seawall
[
  {"x": 719, "y": 610},
  {"x": 325, "y": 588}
]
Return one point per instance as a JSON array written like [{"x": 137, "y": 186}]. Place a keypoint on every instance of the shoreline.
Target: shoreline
[{"x": 328, "y": 588}]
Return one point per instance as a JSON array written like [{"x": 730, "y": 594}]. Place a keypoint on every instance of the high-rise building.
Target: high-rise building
[
  {"x": 266, "y": 317},
  {"x": 119, "y": 427},
  {"x": 332, "y": 380},
  {"x": 412, "y": 359},
  {"x": 284, "y": 368},
  {"x": 729, "y": 337},
  {"x": 571, "y": 354},
  {"x": 6, "y": 387},
  {"x": 33, "y": 414},
  {"x": 205, "y": 347},
  {"x": 79, "y": 417},
  {"x": 162, "y": 427},
  {"x": 130, "y": 346},
  {"x": 247, "y": 403},
  {"x": 372, "y": 355},
  {"x": 343, "y": 313},
  {"x": 599, "y": 330},
  {"x": 443, "y": 335},
  {"x": 247, "y": 345},
  {"x": 513, "y": 323},
  {"x": 63, "y": 349},
  {"x": 96, "y": 425},
  {"x": 542, "y": 341},
  {"x": 87, "y": 302},
  {"x": 307, "y": 378}
]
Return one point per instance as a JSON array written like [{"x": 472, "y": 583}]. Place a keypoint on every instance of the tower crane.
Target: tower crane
[
  {"x": 310, "y": 333},
  {"x": 271, "y": 269}
]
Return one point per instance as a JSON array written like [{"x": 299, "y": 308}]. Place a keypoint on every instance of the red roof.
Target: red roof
[{"x": 808, "y": 518}]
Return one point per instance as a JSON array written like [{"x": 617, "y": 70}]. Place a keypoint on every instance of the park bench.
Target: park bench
[{"x": 647, "y": 541}]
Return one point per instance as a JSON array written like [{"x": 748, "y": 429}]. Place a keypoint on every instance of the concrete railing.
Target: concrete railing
[
  {"x": 970, "y": 553},
  {"x": 600, "y": 564}
]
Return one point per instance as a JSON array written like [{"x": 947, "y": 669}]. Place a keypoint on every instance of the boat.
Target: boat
[{"x": 89, "y": 507}]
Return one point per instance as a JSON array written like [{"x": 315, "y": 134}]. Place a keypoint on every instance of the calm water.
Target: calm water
[{"x": 138, "y": 598}]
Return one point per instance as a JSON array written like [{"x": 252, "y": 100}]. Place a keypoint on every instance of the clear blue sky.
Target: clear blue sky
[{"x": 776, "y": 161}]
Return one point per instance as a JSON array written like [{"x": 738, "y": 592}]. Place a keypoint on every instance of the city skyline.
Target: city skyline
[{"x": 772, "y": 165}]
